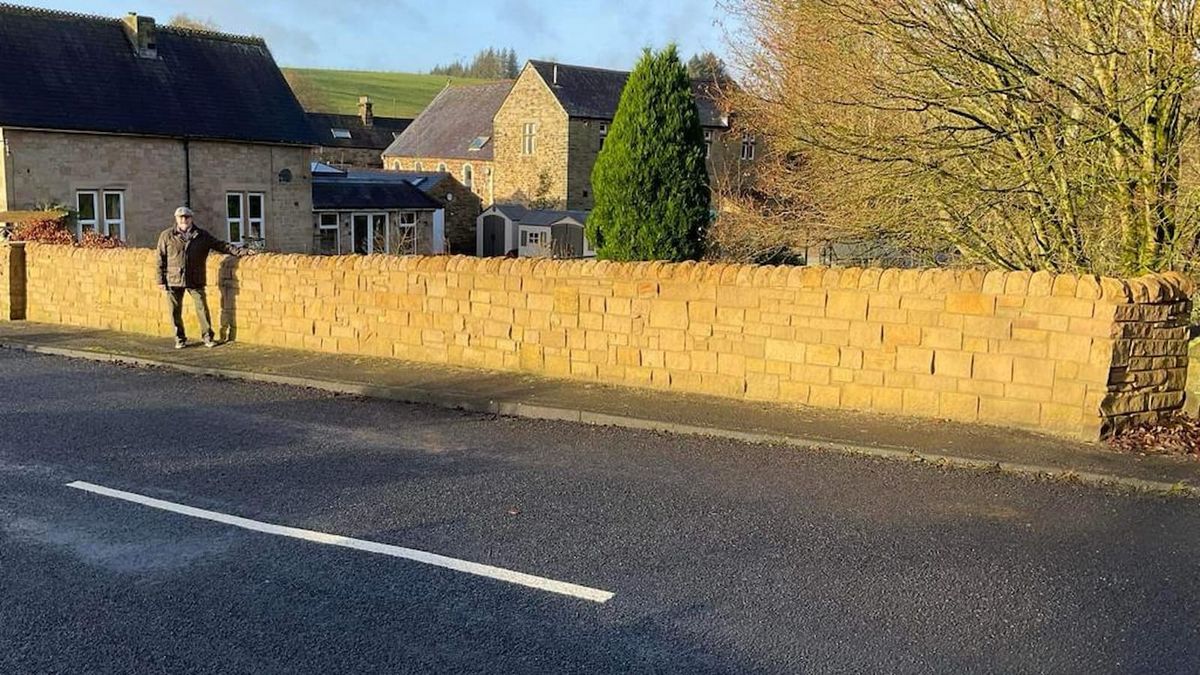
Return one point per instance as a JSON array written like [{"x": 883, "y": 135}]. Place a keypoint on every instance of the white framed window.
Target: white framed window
[
  {"x": 708, "y": 138},
  {"x": 418, "y": 167},
  {"x": 245, "y": 218},
  {"x": 256, "y": 215},
  {"x": 340, "y": 133},
  {"x": 468, "y": 174},
  {"x": 404, "y": 240},
  {"x": 114, "y": 214},
  {"x": 532, "y": 237},
  {"x": 88, "y": 212},
  {"x": 529, "y": 138},
  {"x": 441, "y": 166},
  {"x": 328, "y": 229},
  {"x": 100, "y": 211},
  {"x": 747, "y": 147},
  {"x": 369, "y": 233},
  {"x": 234, "y": 218},
  {"x": 603, "y": 135}
]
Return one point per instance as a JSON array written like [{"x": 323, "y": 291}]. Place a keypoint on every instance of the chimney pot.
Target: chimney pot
[
  {"x": 365, "y": 111},
  {"x": 141, "y": 33}
]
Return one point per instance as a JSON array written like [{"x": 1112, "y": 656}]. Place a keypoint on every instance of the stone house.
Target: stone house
[
  {"x": 454, "y": 134},
  {"x": 551, "y": 126},
  {"x": 355, "y": 140},
  {"x": 373, "y": 211},
  {"x": 123, "y": 120}
]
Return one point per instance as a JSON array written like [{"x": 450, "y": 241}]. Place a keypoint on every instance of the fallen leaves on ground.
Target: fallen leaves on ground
[{"x": 1178, "y": 435}]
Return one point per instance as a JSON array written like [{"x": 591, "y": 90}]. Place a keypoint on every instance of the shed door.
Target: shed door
[
  {"x": 493, "y": 236},
  {"x": 568, "y": 240}
]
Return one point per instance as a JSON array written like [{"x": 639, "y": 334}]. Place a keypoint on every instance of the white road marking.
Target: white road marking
[{"x": 541, "y": 583}]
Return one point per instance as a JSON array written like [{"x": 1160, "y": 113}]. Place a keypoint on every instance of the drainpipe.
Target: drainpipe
[{"x": 8, "y": 198}]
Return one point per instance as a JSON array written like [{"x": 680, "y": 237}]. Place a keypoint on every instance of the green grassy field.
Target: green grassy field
[{"x": 393, "y": 94}]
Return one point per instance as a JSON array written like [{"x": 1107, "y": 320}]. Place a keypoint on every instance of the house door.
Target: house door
[
  {"x": 370, "y": 232},
  {"x": 493, "y": 236}
]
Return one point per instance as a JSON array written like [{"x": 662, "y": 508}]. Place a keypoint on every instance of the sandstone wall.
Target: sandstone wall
[{"x": 1073, "y": 355}]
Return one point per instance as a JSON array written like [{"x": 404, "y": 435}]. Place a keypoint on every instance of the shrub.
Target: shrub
[
  {"x": 97, "y": 240},
  {"x": 45, "y": 231}
]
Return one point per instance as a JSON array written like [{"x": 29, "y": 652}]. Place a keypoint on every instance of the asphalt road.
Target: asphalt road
[{"x": 723, "y": 557}]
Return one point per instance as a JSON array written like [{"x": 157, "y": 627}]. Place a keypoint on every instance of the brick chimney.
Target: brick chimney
[
  {"x": 365, "y": 112},
  {"x": 140, "y": 31}
]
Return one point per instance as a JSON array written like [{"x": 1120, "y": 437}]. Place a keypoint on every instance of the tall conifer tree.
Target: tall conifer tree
[{"x": 650, "y": 181}]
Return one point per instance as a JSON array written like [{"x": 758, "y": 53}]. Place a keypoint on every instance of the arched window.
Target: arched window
[
  {"x": 468, "y": 176},
  {"x": 441, "y": 166},
  {"x": 418, "y": 167}
]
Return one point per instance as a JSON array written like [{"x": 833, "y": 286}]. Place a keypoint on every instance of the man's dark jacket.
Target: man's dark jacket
[{"x": 182, "y": 256}]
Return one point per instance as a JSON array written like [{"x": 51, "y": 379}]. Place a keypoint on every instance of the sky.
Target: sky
[{"x": 399, "y": 35}]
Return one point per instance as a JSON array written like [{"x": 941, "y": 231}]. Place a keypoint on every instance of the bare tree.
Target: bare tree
[
  {"x": 182, "y": 20},
  {"x": 1028, "y": 134},
  {"x": 707, "y": 66}
]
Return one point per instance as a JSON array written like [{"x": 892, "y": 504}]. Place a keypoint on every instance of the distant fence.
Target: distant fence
[{"x": 1072, "y": 355}]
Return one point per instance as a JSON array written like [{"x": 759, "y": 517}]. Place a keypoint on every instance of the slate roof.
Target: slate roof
[
  {"x": 382, "y": 132},
  {"x": 527, "y": 216},
  {"x": 455, "y": 117},
  {"x": 425, "y": 180},
  {"x": 358, "y": 189},
  {"x": 75, "y": 72},
  {"x": 595, "y": 92}
]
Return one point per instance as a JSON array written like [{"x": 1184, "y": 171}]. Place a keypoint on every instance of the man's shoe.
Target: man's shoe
[
  {"x": 180, "y": 344},
  {"x": 210, "y": 343}
]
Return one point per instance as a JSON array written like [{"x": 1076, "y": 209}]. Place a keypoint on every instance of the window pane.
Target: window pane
[
  {"x": 86, "y": 202},
  {"x": 235, "y": 231},
  {"x": 254, "y": 205},
  {"x": 329, "y": 220},
  {"x": 112, "y": 206},
  {"x": 359, "y": 233},
  {"x": 328, "y": 241},
  {"x": 379, "y": 235},
  {"x": 233, "y": 206}
]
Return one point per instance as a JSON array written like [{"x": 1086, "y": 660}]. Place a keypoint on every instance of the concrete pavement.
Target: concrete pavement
[{"x": 894, "y": 437}]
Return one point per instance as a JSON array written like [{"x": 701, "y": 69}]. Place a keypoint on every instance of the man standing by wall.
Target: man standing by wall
[{"x": 182, "y": 254}]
